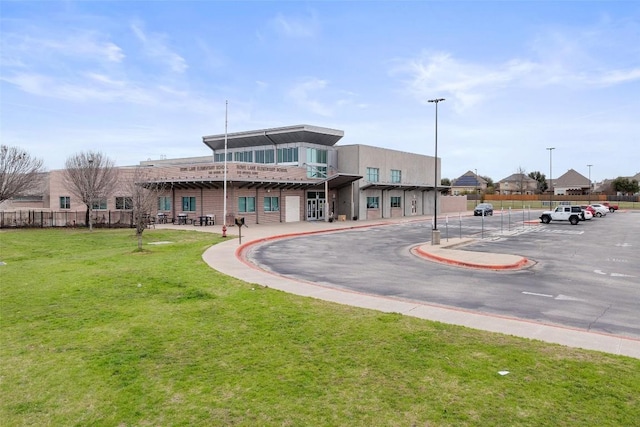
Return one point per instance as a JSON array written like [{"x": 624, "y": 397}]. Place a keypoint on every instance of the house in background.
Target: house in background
[
  {"x": 606, "y": 185},
  {"x": 571, "y": 184},
  {"x": 469, "y": 183},
  {"x": 518, "y": 183}
]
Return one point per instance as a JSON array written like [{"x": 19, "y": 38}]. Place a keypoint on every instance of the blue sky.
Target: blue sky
[{"x": 147, "y": 79}]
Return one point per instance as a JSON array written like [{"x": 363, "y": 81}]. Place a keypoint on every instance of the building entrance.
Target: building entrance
[{"x": 315, "y": 205}]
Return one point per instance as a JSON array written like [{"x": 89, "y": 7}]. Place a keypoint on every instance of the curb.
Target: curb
[{"x": 523, "y": 262}]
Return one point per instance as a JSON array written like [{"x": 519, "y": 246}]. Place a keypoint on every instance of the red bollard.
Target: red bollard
[{"x": 224, "y": 231}]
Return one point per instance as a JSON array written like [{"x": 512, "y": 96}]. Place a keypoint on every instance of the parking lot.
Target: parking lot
[{"x": 585, "y": 276}]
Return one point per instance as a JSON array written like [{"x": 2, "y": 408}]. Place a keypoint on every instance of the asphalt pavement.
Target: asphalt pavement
[{"x": 229, "y": 258}]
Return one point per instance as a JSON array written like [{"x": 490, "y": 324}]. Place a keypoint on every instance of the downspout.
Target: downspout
[{"x": 281, "y": 204}]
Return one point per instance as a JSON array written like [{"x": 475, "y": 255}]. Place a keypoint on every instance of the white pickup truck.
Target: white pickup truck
[{"x": 573, "y": 214}]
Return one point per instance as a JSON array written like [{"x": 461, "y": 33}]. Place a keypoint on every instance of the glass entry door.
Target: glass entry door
[{"x": 315, "y": 205}]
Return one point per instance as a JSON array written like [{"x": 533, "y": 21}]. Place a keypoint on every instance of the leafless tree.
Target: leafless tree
[
  {"x": 144, "y": 193},
  {"x": 19, "y": 172},
  {"x": 90, "y": 176}
]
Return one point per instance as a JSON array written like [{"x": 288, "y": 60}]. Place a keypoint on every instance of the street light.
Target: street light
[
  {"x": 435, "y": 234},
  {"x": 476, "y": 186},
  {"x": 589, "y": 166},
  {"x": 550, "y": 179}
]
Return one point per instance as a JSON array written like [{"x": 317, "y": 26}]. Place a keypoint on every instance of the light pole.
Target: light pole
[
  {"x": 435, "y": 233},
  {"x": 589, "y": 166},
  {"x": 476, "y": 186},
  {"x": 550, "y": 179}
]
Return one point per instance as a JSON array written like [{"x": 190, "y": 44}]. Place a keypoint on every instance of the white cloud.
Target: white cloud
[
  {"x": 34, "y": 48},
  {"x": 305, "y": 95},
  {"x": 295, "y": 27},
  {"x": 614, "y": 77},
  {"x": 155, "y": 47},
  {"x": 472, "y": 83}
]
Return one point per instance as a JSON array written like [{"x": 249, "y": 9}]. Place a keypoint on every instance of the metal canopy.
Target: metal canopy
[
  {"x": 275, "y": 136},
  {"x": 398, "y": 186},
  {"x": 335, "y": 181},
  {"x": 183, "y": 184},
  {"x": 341, "y": 180}
]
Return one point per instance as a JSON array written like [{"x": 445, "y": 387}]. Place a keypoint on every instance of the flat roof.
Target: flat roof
[{"x": 275, "y": 136}]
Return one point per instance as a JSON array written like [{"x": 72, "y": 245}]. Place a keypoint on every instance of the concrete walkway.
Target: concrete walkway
[{"x": 228, "y": 258}]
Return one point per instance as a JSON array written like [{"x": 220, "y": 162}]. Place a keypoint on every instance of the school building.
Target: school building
[{"x": 285, "y": 174}]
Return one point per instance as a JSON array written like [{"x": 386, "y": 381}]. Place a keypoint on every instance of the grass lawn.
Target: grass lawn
[{"x": 96, "y": 333}]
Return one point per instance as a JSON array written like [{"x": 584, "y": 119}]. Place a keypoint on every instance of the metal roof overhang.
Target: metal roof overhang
[
  {"x": 397, "y": 186},
  {"x": 336, "y": 181},
  {"x": 184, "y": 184},
  {"x": 341, "y": 180},
  {"x": 275, "y": 136}
]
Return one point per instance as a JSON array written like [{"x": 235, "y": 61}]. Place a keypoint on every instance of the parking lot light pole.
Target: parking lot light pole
[
  {"x": 435, "y": 233},
  {"x": 550, "y": 179},
  {"x": 589, "y": 166},
  {"x": 477, "y": 192}
]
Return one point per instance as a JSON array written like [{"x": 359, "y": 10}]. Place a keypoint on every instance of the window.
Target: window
[
  {"x": 265, "y": 156},
  {"x": 396, "y": 202},
  {"x": 219, "y": 157},
  {"x": 164, "y": 203},
  {"x": 243, "y": 156},
  {"x": 373, "y": 174},
  {"x": 271, "y": 204},
  {"x": 316, "y": 171},
  {"x": 315, "y": 155},
  {"x": 65, "y": 202},
  {"x": 372, "y": 202},
  {"x": 99, "y": 204},
  {"x": 188, "y": 204},
  {"x": 124, "y": 203},
  {"x": 246, "y": 204},
  {"x": 287, "y": 155},
  {"x": 396, "y": 175}
]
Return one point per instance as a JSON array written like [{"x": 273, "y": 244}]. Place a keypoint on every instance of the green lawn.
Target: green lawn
[{"x": 95, "y": 333}]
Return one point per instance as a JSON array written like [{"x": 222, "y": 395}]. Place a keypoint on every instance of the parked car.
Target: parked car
[
  {"x": 573, "y": 214},
  {"x": 586, "y": 214},
  {"x": 612, "y": 208},
  {"x": 483, "y": 209},
  {"x": 590, "y": 209},
  {"x": 601, "y": 210}
]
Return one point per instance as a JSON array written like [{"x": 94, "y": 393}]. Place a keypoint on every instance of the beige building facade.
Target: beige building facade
[{"x": 288, "y": 174}]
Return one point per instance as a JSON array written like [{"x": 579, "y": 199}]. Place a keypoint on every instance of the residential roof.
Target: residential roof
[
  {"x": 275, "y": 136},
  {"x": 571, "y": 179},
  {"x": 517, "y": 177},
  {"x": 469, "y": 179}
]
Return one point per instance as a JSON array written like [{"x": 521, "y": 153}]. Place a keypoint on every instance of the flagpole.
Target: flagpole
[{"x": 224, "y": 219}]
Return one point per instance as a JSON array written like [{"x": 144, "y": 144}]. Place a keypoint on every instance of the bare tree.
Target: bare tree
[
  {"x": 90, "y": 176},
  {"x": 19, "y": 172},
  {"x": 144, "y": 193}
]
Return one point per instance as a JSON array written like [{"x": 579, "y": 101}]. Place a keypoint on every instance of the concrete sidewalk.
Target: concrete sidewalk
[{"x": 228, "y": 258}]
